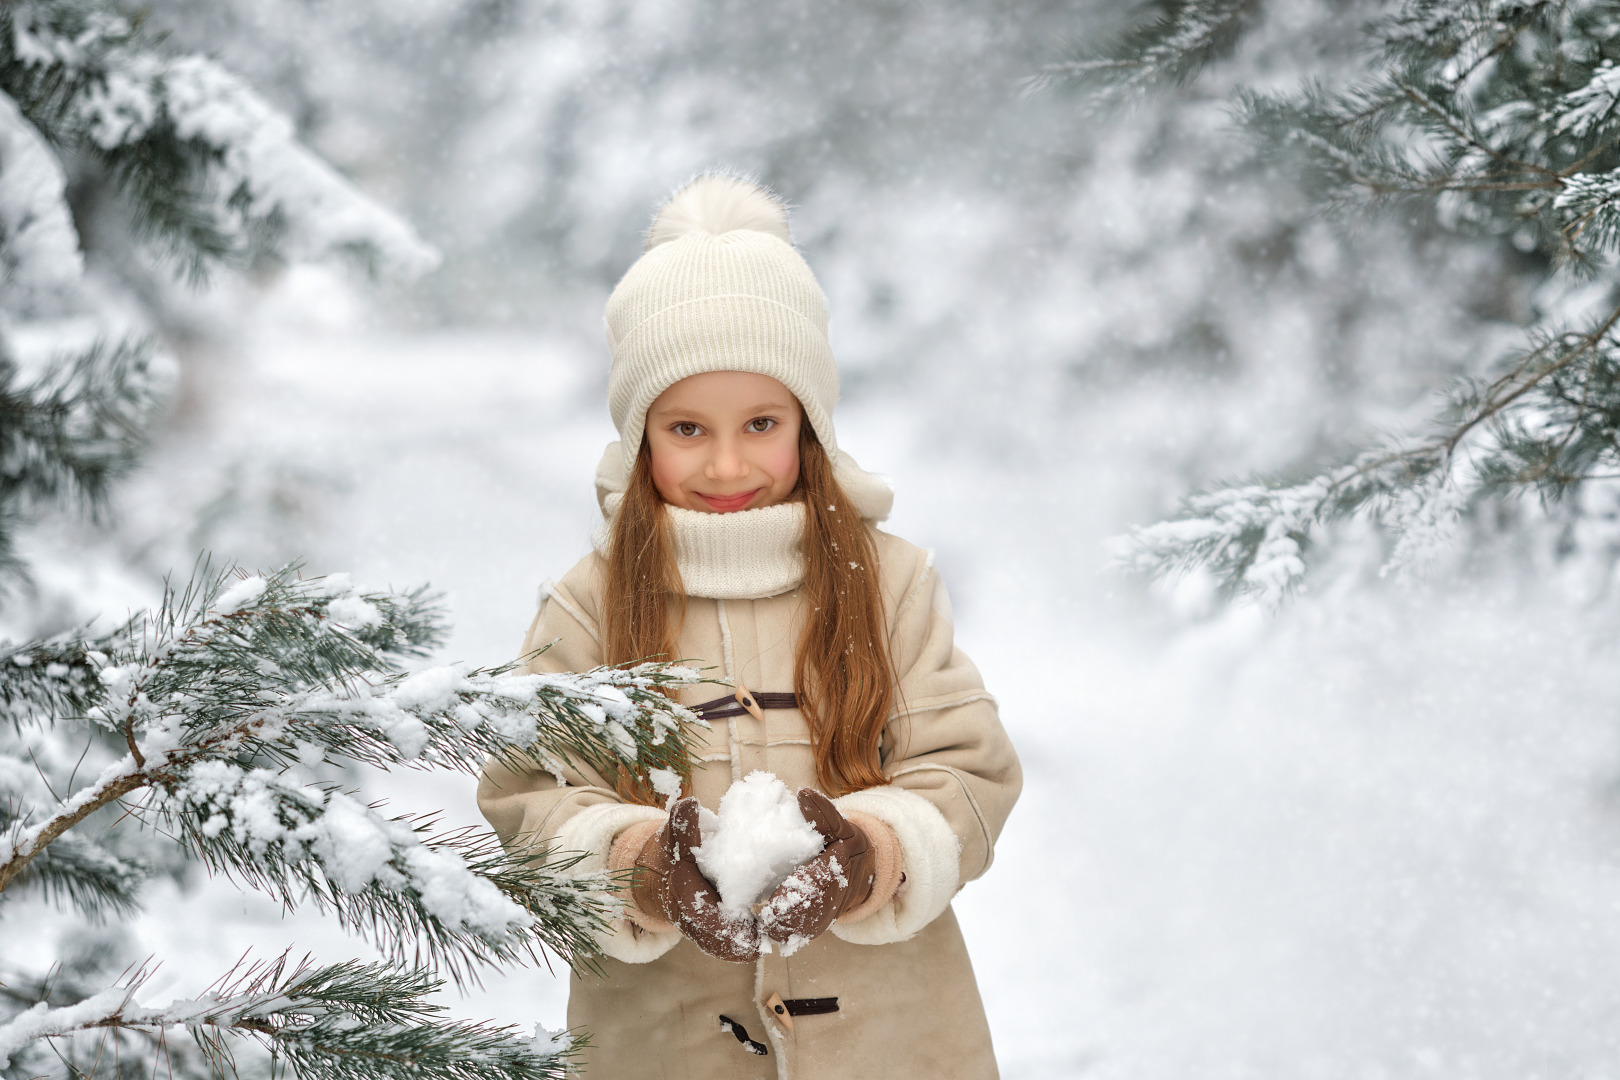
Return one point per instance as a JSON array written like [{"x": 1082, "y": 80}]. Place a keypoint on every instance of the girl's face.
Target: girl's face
[{"x": 724, "y": 441}]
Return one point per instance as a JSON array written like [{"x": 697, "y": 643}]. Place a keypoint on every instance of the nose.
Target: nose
[{"x": 726, "y": 462}]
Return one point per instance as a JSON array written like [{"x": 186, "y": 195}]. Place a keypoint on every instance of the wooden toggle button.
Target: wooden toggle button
[
  {"x": 745, "y": 698},
  {"x": 779, "y": 1010}
]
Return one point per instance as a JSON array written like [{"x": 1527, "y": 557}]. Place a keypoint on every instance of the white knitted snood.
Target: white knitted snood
[{"x": 747, "y": 554}]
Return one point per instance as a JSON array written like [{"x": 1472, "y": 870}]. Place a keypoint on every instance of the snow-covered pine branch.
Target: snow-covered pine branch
[
  {"x": 234, "y": 680},
  {"x": 1533, "y": 427},
  {"x": 1494, "y": 119},
  {"x": 214, "y": 173},
  {"x": 84, "y": 873},
  {"x": 348, "y": 1021},
  {"x": 449, "y": 902}
]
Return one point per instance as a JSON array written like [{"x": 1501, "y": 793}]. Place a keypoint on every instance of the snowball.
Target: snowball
[{"x": 754, "y": 842}]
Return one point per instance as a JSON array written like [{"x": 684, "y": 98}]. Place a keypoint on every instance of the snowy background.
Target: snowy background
[{"x": 1374, "y": 834}]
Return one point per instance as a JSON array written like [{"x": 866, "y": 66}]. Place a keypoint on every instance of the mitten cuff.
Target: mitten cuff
[
  {"x": 627, "y": 845},
  {"x": 929, "y": 854},
  {"x": 622, "y": 856},
  {"x": 592, "y": 833},
  {"x": 888, "y": 869}
]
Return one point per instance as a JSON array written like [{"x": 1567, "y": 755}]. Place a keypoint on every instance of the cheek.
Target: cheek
[
  {"x": 783, "y": 465},
  {"x": 667, "y": 474}
]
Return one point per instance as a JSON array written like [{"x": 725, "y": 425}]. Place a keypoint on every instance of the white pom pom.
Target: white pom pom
[{"x": 715, "y": 204}]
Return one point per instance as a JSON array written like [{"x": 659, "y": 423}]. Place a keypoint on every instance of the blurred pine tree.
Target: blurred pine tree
[{"x": 1501, "y": 118}]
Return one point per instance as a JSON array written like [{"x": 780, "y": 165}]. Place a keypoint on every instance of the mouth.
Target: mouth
[{"x": 724, "y": 504}]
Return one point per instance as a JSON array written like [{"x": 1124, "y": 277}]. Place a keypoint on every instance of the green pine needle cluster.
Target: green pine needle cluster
[{"x": 209, "y": 172}]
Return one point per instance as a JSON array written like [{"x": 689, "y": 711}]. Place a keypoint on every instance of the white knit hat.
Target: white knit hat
[{"x": 720, "y": 287}]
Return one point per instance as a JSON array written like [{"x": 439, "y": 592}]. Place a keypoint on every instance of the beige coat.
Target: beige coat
[{"x": 908, "y": 1005}]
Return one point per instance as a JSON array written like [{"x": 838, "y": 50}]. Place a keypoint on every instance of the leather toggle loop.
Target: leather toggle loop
[
  {"x": 722, "y": 707},
  {"x": 728, "y": 1024}
]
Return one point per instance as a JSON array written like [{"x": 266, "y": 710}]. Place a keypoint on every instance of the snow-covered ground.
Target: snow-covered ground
[{"x": 1375, "y": 835}]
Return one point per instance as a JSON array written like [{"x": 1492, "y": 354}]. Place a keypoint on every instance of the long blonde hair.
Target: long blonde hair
[{"x": 842, "y": 671}]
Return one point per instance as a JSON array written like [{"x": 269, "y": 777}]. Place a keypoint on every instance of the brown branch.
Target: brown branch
[
  {"x": 129, "y": 740},
  {"x": 1586, "y": 159},
  {"x": 1422, "y": 100},
  {"x": 1498, "y": 397},
  {"x": 64, "y": 821}
]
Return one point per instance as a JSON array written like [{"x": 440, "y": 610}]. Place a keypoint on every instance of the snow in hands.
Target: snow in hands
[
  {"x": 755, "y": 841},
  {"x": 347, "y": 1021}
]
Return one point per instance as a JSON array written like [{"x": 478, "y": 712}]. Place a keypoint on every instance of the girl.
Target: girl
[{"x": 737, "y": 535}]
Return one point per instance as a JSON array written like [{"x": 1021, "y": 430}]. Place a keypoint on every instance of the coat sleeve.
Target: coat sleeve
[
  {"x": 533, "y": 810},
  {"x": 953, "y": 773}
]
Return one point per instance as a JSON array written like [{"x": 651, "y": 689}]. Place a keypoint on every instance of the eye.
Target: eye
[
  {"x": 759, "y": 425},
  {"x": 686, "y": 429}
]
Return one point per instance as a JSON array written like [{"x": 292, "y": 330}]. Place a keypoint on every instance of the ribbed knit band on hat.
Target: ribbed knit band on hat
[{"x": 719, "y": 287}]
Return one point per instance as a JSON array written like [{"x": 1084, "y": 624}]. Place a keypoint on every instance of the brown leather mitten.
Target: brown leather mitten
[
  {"x": 671, "y": 885},
  {"x": 839, "y": 879}
]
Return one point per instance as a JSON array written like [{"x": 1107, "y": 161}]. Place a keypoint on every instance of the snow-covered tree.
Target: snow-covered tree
[
  {"x": 1501, "y": 119},
  {"x": 204, "y": 731},
  {"x": 207, "y": 175},
  {"x": 205, "y": 722},
  {"x": 210, "y": 173}
]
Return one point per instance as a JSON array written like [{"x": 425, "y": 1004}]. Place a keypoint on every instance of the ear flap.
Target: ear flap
[
  {"x": 871, "y": 493},
  {"x": 611, "y": 479}
]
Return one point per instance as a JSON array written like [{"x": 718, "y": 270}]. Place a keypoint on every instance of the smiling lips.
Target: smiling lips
[{"x": 726, "y": 503}]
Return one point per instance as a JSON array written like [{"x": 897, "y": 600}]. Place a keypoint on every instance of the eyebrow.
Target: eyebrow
[{"x": 698, "y": 413}]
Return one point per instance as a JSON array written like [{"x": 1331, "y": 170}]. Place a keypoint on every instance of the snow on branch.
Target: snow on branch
[
  {"x": 1490, "y": 118},
  {"x": 347, "y": 1021},
  {"x": 452, "y": 900},
  {"x": 52, "y": 677},
  {"x": 1546, "y": 424},
  {"x": 85, "y": 873},
  {"x": 236, "y": 679},
  {"x": 216, "y": 173}
]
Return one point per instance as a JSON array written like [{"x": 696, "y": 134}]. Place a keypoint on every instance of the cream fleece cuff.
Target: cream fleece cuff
[{"x": 929, "y": 856}]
